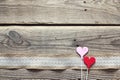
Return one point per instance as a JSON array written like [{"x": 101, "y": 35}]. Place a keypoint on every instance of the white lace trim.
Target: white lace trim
[{"x": 58, "y": 62}]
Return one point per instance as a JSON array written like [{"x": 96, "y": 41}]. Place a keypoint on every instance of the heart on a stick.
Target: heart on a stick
[
  {"x": 89, "y": 61},
  {"x": 82, "y": 51}
]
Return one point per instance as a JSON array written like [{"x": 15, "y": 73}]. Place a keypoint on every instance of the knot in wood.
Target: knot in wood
[
  {"x": 15, "y": 40},
  {"x": 15, "y": 37},
  {"x": 116, "y": 43}
]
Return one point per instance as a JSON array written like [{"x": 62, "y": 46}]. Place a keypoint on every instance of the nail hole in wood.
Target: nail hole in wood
[
  {"x": 98, "y": 79},
  {"x": 74, "y": 40},
  {"x": 85, "y": 9},
  {"x": 84, "y": 2},
  {"x": 77, "y": 45},
  {"x": 79, "y": 79}
]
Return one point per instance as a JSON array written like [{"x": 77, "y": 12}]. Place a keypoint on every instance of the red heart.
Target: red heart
[{"x": 89, "y": 61}]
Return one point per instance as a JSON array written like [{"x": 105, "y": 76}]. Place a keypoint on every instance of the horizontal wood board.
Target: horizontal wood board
[
  {"x": 101, "y": 40},
  {"x": 23, "y": 74},
  {"x": 59, "y": 43},
  {"x": 59, "y": 12}
]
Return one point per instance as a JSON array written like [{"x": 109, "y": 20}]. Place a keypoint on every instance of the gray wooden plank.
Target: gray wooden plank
[
  {"x": 60, "y": 40},
  {"x": 54, "y": 41},
  {"x": 23, "y": 74},
  {"x": 60, "y": 11},
  {"x": 16, "y": 39}
]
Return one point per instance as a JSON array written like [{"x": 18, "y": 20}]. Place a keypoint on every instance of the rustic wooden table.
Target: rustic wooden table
[{"x": 101, "y": 40}]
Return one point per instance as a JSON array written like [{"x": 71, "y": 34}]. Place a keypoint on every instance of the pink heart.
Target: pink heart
[{"x": 82, "y": 51}]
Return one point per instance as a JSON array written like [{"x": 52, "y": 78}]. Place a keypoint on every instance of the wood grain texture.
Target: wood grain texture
[
  {"x": 60, "y": 11},
  {"x": 59, "y": 40},
  {"x": 23, "y": 74},
  {"x": 102, "y": 41}
]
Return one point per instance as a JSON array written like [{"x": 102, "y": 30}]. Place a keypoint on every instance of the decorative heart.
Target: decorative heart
[
  {"x": 82, "y": 51},
  {"x": 89, "y": 61}
]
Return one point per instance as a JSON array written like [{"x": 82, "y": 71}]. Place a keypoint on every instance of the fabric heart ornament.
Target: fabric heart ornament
[
  {"x": 89, "y": 61},
  {"x": 82, "y": 51}
]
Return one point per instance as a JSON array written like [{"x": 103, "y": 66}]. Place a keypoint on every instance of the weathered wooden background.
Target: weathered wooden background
[
  {"x": 102, "y": 39},
  {"x": 23, "y": 74},
  {"x": 60, "y": 11},
  {"x": 60, "y": 40}
]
